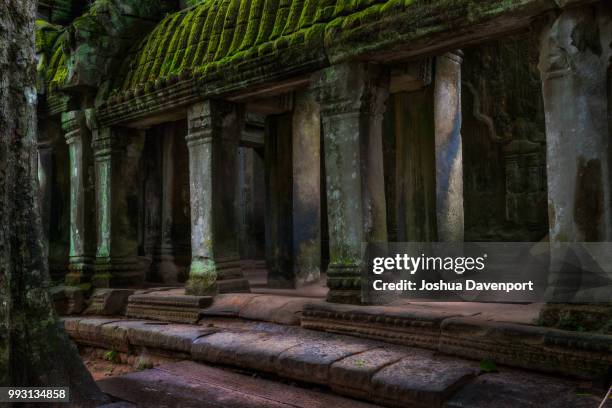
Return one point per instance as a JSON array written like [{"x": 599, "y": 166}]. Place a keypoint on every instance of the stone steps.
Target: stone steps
[
  {"x": 470, "y": 335},
  {"x": 187, "y": 384},
  {"x": 393, "y": 376},
  {"x": 500, "y": 332}
]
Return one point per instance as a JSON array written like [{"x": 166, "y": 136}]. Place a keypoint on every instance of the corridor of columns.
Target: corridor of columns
[{"x": 219, "y": 167}]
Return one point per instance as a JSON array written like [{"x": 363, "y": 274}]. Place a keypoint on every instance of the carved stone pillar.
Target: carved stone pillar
[
  {"x": 212, "y": 139},
  {"x": 352, "y": 101},
  {"x": 45, "y": 184},
  {"x": 306, "y": 151},
  {"x": 448, "y": 150},
  {"x": 82, "y": 198},
  {"x": 117, "y": 152},
  {"x": 574, "y": 60}
]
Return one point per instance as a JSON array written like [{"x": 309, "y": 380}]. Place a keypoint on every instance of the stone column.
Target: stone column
[
  {"x": 117, "y": 153},
  {"x": 574, "y": 59},
  {"x": 212, "y": 139},
  {"x": 448, "y": 152},
  {"x": 352, "y": 101},
  {"x": 279, "y": 201},
  {"x": 82, "y": 198},
  {"x": 45, "y": 183},
  {"x": 306, "y": 151}
]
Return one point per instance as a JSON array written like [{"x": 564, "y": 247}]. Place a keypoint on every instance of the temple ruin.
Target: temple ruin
[{"x": 192, "y": 144}]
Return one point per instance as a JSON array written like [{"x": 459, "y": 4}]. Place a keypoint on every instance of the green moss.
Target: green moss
[
  {"x": 241, "y": 26},
  {"x": 250, "y": 36},
  {"x": 227, "y": 32},
  {"x": 281, "y": 19}
]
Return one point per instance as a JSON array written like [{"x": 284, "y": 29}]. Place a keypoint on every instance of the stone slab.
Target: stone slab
[
  {"x": 115, "y": 333},
  {"x": 575, "y": 354},
  {"x": 187, "y": 384},
  {"x": 399, "y": 325},
  {"x": 419, "y": 380},
  {"x": 166, "y": 336},
  {"x": 68, "y": 300},
  {"x": 167, "y": 307},
  {"x": 311, "y": 361},
  {"x": 517, "y": 389},
  {"x": 352, "y": 375},
  {"x": 266, "y": 308},
  {"x": 90, "y": 331},
  {"x": 228, "y": 305},
  {"x": 108, "y": 302},
  {"x": 222, "y": 347}
]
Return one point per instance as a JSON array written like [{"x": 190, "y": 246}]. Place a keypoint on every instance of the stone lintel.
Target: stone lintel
[
  {"x": 273, "y": 105},
  {"x": 411, "y": 76}
]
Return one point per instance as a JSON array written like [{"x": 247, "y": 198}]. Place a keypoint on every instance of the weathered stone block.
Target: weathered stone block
[
  {"x": 223, "y": 347},
  {"x": 109, "y": 301},
  {"x": 163, "y": 336},
  {"x": 352, "y": 375},
  {"x": 517, "y": 389},
  {"x": 311, "y": 361},
  {"x": 167, "y": 307},
  {"x": 228, "y": 304},
  {"x": 420, "y": 381},
  {"x": 68, "y": 299},
  {"x": 92, "y": 331},
  {"x": 544, "y": 349},
  {"x": 391, "y": 324},
  {"x": 277, "y": 309}
]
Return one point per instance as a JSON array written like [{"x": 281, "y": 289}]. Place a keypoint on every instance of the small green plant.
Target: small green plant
[
  {"x": 360, "y": 363},
  {"x": 111, "y": 356},
  {"x": 143, "y": 364},
  {"x": 488, "y": 366}
]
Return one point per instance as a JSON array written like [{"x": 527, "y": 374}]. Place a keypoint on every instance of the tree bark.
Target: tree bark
[{"x": 34, "y": 349}]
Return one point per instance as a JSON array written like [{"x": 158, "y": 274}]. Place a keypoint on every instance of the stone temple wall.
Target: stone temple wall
[{"x": 504, "y": 148}]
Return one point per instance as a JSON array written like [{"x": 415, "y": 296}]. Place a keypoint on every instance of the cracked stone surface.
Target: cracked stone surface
[{"x": 394, "y": 376}]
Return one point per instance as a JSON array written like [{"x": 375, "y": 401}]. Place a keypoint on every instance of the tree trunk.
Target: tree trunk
[{"x": 34, "y": 349}]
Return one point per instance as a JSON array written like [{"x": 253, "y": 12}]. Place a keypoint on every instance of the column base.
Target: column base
[
  {"x": 80, "y": 272},
  {"x": 118, "y": 272},
  {"x": 344, "y": 283},
  {"x": 208, "y": 278}
]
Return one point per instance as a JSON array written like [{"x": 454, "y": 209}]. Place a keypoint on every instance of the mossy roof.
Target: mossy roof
[{"x": 208, "y": 36}]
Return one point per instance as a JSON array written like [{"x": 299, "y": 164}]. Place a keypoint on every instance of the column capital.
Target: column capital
[
  {"x": 106, "y": 141},
  {"x": 574, "y": 43},
  {"x": 453, "y": 56},
  {"x": 206, "y": 120},
  {"x": 73, "y": 122},
  {"x": 352, "y": 87}
]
